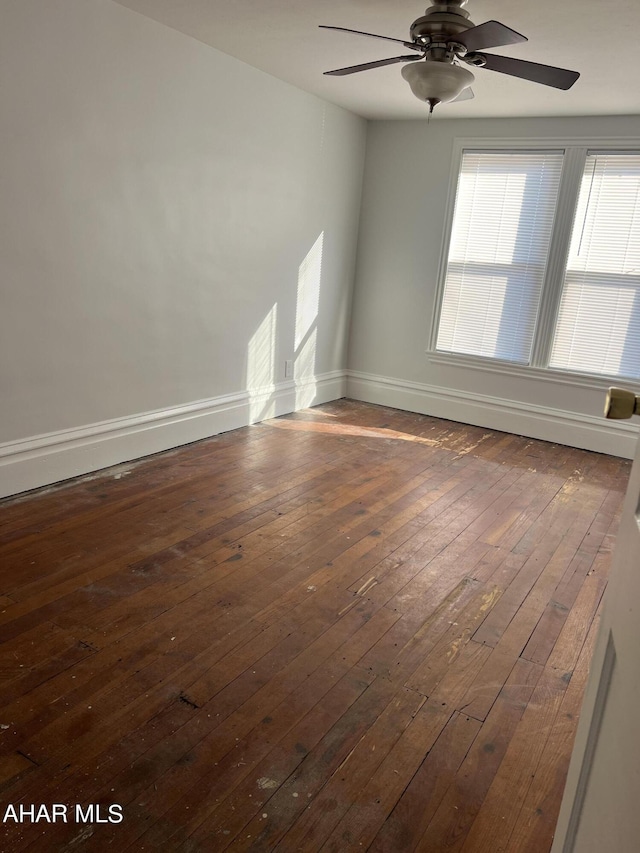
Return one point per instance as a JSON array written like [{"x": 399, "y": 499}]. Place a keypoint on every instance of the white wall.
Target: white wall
[
  {"x": 407, "y": 176},
  {"x": 158, "y": 199}
]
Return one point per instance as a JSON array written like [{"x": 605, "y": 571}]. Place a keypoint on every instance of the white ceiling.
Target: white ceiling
[{"x": 598, "y": 38}]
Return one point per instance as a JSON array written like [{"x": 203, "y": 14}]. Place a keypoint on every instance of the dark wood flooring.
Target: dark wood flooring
[{"x": 348, "y": 629}]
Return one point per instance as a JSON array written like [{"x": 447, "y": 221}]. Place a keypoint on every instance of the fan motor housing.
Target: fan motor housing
[{"x": 442, "y": 22}]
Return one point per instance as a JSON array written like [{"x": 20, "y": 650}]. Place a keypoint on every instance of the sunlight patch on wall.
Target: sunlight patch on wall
[
  {"x": 306, "y": 331},
  {"x": 261, "y": 368},
  {"x": 305, "y": 372},
  {"x": 308, "y": 297}
]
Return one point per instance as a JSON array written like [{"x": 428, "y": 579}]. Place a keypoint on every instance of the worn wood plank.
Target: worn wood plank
[
  {"x": 451, "y": 823},
  {"x": 494, "y": 824},
  {"x": 421, "y": 798},
  {"x": 535, "y": 824}
]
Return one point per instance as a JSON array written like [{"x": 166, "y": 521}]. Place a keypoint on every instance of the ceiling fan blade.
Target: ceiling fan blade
[
  {"x": 353, "y": 69},
  {"x": 409, "y": 44},
  {"x": 548, "y": 75},
  {"x": 465, "y": 95},
  {"x": 491, "y": 34}
]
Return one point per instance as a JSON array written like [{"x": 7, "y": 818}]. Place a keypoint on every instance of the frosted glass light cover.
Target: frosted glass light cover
[{"x": 437, "y": 81}]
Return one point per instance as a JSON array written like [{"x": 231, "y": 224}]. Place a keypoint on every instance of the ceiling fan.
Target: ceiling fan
[{"x": 442, "y": 40}]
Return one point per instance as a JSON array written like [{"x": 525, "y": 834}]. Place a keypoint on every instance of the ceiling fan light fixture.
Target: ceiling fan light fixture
[{"x": 436, "y": 82}]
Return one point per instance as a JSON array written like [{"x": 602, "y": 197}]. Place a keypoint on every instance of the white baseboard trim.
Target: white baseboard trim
[
  {"x": 45, "y": 459},
  {"x": 616, "y": 438}
]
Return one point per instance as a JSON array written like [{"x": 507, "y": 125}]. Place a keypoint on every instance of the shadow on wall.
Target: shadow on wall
[{"x": 262, "y": 355}]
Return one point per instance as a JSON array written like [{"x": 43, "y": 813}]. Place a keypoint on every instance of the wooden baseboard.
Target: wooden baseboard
[
  {"x": 45, "y": 459},
  {"x": 587, "y": 432}
]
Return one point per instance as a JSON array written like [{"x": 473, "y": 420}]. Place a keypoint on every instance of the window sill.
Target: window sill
[{"x": 546, "y": 374}]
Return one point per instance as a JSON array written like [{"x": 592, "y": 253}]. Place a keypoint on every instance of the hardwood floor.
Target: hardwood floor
[{"x": 348, "y": 629}]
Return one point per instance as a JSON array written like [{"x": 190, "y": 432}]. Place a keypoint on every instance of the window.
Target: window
[
  {"x": 598, "y": 328},
  {"x": 543, "y": 261}
]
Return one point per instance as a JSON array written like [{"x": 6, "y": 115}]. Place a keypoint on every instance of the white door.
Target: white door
[{"x": 601, "y": 806}]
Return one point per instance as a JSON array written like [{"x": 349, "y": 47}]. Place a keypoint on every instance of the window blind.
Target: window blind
[
  {"x": 502, "y": 224},
  {"x": 598, "y": 326}
]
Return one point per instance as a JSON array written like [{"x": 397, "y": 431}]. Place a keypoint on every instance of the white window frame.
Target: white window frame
[{"x": 575, "y": 154}]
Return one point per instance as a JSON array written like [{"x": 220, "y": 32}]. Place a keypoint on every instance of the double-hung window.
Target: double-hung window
[{"x": 543, "y": 260}]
